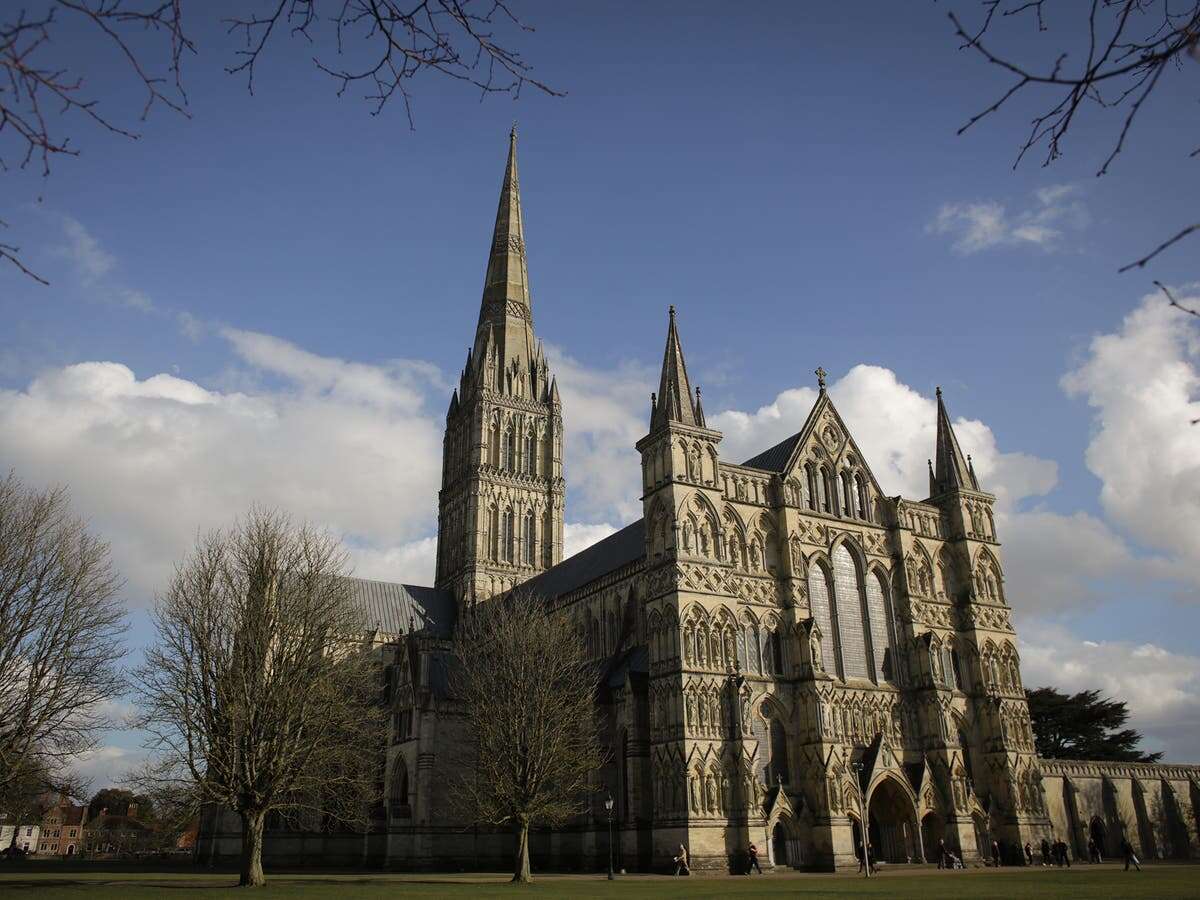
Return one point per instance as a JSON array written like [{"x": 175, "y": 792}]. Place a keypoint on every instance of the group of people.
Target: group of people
[
  {"x": 681, "y": 861},
  {"x": 1054, "y": 853}
]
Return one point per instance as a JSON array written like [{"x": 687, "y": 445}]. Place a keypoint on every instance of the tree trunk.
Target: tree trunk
[
  {"x": 521, "y": 869},
  {"x": 252, "y": 842}
]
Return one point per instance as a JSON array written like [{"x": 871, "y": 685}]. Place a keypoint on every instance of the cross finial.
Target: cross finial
[
  {"x": 671, "y": 310},
  {"x": 513, "y": 133},
  {"x": 820, "y": 373},
  {"x": 939, "y": 390}
]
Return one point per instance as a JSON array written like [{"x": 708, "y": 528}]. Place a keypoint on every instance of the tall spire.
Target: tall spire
[
  {"x": 507, "y": 278},
  {"x": 951, "y": 471},
  {"x": 674, "y": 391}
]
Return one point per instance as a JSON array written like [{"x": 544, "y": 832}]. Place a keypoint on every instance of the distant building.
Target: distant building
[
  {"x": 27, "y": 835},
  {"x": 791, "y": 657},
  {"x": 62, "y": 832},
  {"x": 110, "y": 834}
]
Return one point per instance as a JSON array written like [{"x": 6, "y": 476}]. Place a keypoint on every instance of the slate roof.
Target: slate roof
[
  {"x": 401, "y": 608},
  {"x": 587, "y": 565},
  {"x": 773, "y": 459}
]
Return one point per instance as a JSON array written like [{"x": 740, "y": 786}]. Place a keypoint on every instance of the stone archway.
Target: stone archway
[
  {"x": 933, "y": 832},
  {"x": 892, "y": 819},
  {"x": 779, "y": 845}
]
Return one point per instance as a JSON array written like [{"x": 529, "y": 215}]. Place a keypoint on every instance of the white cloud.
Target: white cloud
[
  {"x": 107, "y": 765},
  {"x": 152, "y": 461},
  {"x": 1142, "y": 384},
  {"x": 1162, "y": 688},
  {"x": 987, "y": 223},
  {"x": 605, "y": 412},
  {"x": 580, "y": 536},
  {"x": 91, "y": 261}
]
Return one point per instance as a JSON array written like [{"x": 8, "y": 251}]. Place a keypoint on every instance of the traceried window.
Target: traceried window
[
  {"x": 849, "y": 613},
  {"x": 508, "y": 538},
  {"x": 531, "y": 454},
  {"x": 527, "y": 539},
  {"x": 879, "y": 614},
  {"x": 820, "y": 603}
]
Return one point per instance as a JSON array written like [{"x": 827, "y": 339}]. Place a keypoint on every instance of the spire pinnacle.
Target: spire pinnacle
[
  {"x": 951, "y": 471},
  {"x": 699, "y": 409},
  {"x": 674, "y": 391},
  {"x": 507, "y": 272}
]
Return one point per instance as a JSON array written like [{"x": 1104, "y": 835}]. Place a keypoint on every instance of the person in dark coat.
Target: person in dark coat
[
  {"x": 1028, "y": 854},
  {"x": 996, "y": 854},
  {"x": 942, "y": 854},
  {"x": 1045, "y": 852},
  {"x": 1130, "y": 856},
  {"x": 753, "y": 853}
]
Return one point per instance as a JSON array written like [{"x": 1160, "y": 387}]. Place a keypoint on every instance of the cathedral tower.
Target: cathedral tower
[{"x": 500, "y": 509}]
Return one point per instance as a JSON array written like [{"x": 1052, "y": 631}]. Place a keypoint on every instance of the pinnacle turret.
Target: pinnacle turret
[
  {"x": 951, "y": 470},
  {"x": 674, "y": 403}
]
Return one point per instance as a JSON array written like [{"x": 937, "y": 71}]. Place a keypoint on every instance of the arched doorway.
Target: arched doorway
[
  {"x": 933, "y": 830},
  {"x": 779, "y": 845},
  {"x": 892, "y": 818}
]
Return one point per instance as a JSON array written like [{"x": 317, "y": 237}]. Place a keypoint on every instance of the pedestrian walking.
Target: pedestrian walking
[
  {"x": 681, "y": 861},
  {"x": 1045, "y": 852},
  {"x": 942, "y": 854},
  {"x": 1028, "y": 854},
  {"x": 1092, "y": 850},
  {"x": 996, "y": 854},
  {"x": 1130, "y": 856},
  {"x": 753, "y": 851}
]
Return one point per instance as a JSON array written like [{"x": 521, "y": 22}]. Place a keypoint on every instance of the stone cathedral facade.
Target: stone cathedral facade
[{"x": 789, "y": 657}]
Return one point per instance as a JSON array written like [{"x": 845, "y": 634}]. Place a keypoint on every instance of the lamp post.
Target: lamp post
[
  {"x": 864, "y": 828},
  {"x": 608, "y": 805}
]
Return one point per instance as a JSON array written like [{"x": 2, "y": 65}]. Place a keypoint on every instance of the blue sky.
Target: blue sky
[{"x": 789, "y": 177}]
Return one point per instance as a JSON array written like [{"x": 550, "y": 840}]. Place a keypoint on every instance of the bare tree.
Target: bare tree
[
  {"x": 382, "y": 43},
  {"x": 527, "y": 694},
  {"x": 61, "y": 622},
  {"x": 1127, "y": 47},
  {"x": 261, "y": 692}
]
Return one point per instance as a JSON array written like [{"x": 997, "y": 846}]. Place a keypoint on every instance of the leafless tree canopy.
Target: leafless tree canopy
[
  {"x": 1129, "y": 45},
  {"x": 260, "y": 693},
  {"x": 383, "y": 44},
  {"x": 527, "y": 693},
  {"x": 61, "y": 623}
]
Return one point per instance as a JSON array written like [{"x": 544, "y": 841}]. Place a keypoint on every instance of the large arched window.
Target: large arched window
[
  {"x": 493, "y": 546},
  {"x": 819, "y": 601},
  {"x": 531, "y": 453},
  {"x": 879, "y": 616},
  {"x": 527, "y": 538},
  {"x": 847, "y": 594}
]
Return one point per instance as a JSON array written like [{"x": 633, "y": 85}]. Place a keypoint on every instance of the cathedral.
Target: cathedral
[{"x": 789, "y": 657}]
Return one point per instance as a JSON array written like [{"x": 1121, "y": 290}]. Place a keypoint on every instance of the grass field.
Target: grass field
[{"x": 1164, "y": 881}]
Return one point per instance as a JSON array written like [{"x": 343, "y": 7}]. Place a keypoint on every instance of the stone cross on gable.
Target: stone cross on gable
[{"x": 820, "y": 373}]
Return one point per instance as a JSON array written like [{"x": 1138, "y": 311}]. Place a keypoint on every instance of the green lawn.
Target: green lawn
[{"x": 1163, "y": 881}]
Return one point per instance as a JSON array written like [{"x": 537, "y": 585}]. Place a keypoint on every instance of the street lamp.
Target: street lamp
[
  {"x": 608, "y": 805},
  {"x": 863, "y": 827}
]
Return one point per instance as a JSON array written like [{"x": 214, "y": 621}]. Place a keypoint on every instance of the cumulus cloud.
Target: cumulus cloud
[
  {"x": 984, "y": 224},
  {"x": 1141, "y": 383},
  {"x": 1162, "y": 688},
  {"x": 152, "y": 461}
]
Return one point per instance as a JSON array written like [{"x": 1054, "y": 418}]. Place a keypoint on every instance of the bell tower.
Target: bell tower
[{"x": 500, "y": 508}]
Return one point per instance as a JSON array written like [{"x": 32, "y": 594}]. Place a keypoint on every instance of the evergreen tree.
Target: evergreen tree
[{"x": 1083, "y": 726}]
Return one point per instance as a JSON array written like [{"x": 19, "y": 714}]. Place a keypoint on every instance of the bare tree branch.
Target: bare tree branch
[
  {"x": 61, "y": 622},
  {"x": 261, "y": 693},
  {"x": 527, "y": 694},
  {"x": 1130, "y": 43}
]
